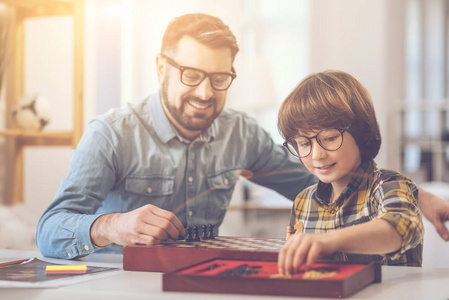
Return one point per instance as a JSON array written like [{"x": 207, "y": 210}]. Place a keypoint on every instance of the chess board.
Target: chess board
[
  {"x": 259, "y": 277},
  {"x": 171, "y": 256}
]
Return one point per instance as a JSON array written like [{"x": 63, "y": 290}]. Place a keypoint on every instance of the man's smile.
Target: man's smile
[{"x": 199, "y": 105}]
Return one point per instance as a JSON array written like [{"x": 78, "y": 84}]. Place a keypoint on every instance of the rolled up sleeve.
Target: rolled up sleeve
[{"x": 63, "y": 231}]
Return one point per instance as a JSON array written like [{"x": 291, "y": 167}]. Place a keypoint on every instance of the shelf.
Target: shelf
[
  {"x": 16, "y": 140},
  {"x": 40, "y": 8},
  {"x": 33, "y": 4},
  {"x": 40, "y": 138},
  {"x": 431, "y": 157}
]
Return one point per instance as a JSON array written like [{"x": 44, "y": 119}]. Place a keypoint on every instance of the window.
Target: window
[
  {"x": 274, "y": 49},
  {"x": 425, "y": 142}
]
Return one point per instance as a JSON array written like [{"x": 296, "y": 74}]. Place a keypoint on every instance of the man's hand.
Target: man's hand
[
  {"x": 145, "y": 225},
  {"x": 304, "y": 249},
  {"x": 436, "y": 210}
]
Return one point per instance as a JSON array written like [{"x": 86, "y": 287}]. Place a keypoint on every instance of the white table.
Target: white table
[{"x": 397, "y": 283}]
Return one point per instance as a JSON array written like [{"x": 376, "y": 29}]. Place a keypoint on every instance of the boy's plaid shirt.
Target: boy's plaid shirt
[{"x": 371, "y": 194}]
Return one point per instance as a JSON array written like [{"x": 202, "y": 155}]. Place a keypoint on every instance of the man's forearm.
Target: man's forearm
[{"x": 102, "y": 230}]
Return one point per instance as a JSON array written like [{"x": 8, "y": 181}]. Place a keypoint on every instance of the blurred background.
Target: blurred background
[{"x": 87, "y": 56}]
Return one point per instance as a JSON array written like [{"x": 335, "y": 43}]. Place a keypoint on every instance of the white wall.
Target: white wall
[
  {"x": 48, "y": 72},
  {"x": 364, "y": 38}
]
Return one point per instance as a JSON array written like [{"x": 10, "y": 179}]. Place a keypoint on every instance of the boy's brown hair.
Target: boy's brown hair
[
  {"x": 206, "y": 29},
  {"x": 331, "y": 99}
]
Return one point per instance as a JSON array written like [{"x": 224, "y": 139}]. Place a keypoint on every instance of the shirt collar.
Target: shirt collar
[
  {"x": 166, "y": 131},
  {"x": 324, "y": 189}
]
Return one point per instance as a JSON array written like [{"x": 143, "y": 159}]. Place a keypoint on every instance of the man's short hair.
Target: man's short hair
[
  {"x": 206, "y": 29},
  {"x": 331, "y": 99}
]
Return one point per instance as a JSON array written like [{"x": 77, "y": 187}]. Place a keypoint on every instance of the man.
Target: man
[{"x": 141, "y": 174}]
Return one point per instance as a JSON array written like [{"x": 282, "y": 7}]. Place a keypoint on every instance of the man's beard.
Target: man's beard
[{"x": 198, "y": 122}]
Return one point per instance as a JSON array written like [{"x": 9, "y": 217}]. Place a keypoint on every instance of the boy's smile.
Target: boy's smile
[
  {"x": 325, "y": 169},
  {"x": 335, "y": 167}
]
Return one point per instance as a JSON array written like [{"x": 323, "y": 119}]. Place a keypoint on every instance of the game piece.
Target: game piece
[
  {"x": 209, "y": 268},
  {"x": 204, "y": 232},
  {"x": 280, "y": 275},
  {"x": 189, "y": 237},
  {"x": 210, "y": 232},
  {"x": 241, "y": 270},
  {"x": 196, "y": 234},
  {"x": 315, "y": 273},
  {"x": 319, "y": 274},
  {"x": 298, "y": 227},
  {"x": 289, "y": 232}
]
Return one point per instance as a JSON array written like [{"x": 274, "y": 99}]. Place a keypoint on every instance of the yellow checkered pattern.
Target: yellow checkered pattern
[{"x": 372, "y": 193}]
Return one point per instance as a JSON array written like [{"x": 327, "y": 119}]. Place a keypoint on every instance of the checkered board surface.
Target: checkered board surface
[
  {"x": 235, "y": 243},
  {"x": 171, "y": 256}
]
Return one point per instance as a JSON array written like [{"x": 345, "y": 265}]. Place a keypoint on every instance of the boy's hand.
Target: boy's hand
[{"x": 304, "y": 249}]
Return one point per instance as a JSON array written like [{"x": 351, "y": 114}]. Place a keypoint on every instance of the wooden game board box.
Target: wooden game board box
[
  {"x": 209, "y": 277},
  {"x": 172, "y": 256}
]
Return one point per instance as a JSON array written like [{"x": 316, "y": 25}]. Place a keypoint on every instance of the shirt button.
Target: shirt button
[
  {"x": 226, "y": 181},
  {"x": 190, "y": 213},
  {"x": 69, "y": 254},
  {"x": 190, "y": 179},
  {"x": 86, "y": 247},
  {"x": 149, "y": 190}
]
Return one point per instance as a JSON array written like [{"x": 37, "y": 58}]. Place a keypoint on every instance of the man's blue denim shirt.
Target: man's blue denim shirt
[{"x": 133, "y": 156}]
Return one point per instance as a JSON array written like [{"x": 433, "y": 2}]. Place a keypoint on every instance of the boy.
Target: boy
[{"x": 329, "y": 122}]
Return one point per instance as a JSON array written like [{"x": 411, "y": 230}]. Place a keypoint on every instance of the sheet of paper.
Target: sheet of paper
[{"x": 31, "y": 274}]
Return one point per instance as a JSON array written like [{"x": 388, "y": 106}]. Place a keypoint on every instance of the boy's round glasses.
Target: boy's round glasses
[
  {"x": 329, "y": 139},
  {"x": 219, "y": 81}
]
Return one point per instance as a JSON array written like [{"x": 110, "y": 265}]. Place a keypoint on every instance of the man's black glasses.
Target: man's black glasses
[{"x": 219, "y": 81}]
